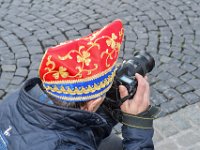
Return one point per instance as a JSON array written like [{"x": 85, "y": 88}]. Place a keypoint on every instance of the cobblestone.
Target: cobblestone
[
  {"x": 167, "y": 29},
  {"x": 185, "y": 122},
  {"x": 8, "y": 68},
  {"x": 17, "y": 80},
  {"x": 4, "y": 83},
  {"x": 21, "y": 72},
  {"x": 183, "y": 88},
  {"x": 194, "y": 83},
  {"x": 188, "y": 139},
  {"x": 7, "y": 75},
  {"x": 23, "y": 62}
]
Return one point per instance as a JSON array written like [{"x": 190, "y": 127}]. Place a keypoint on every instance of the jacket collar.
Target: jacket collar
[{"x": 52, "y": 116}]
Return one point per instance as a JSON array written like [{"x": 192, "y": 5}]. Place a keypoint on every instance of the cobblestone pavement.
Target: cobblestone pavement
[
  {"x": 179, "y": 131},
  {"x": 168, "y": 29}
]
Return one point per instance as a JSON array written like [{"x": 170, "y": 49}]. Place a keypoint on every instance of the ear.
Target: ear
[{"x": 93, "y": 105}]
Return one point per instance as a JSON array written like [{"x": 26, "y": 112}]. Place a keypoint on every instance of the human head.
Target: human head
[{"x": 83, "y": 69}]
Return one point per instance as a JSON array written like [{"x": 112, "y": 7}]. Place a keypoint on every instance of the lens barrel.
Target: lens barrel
[
  {"x": 147, "y": 59},
  {"x": 142, "y": 63}
]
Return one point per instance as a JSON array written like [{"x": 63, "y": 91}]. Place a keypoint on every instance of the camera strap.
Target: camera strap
[
  {"x": 142, "y": 121},
  {"x": 122, "y": 100}
]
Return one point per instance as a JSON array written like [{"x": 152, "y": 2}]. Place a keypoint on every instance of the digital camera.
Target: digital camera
[{"x": 141, "y": 63}]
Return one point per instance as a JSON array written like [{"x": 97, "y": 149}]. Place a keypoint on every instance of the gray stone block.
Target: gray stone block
[
  {"x": 80, "y": 26},
  {"x": 188, "y": 67},
  {"x": 176, "y": 71},
  {"x": 168, "y": 107},
  {"x": 165, "y": 127},
  {"x": 197, "y": 92},
  {"x": 179, "y": 101},
  {"x": 23, "y": 62},
  {"x": 191, "y": 98},
  {"x": 157, "y": 137},
  {"x": 12, "y": 88},
  {"x": 17, "y": 80},
  {"x": 7, "y": 75},
  {"x": 34, "y": 66},
  {"x": 180, "y": 121},
  {"x": 32, "y": 74},
  {"x": 85, "y": 32},
  {"x": 186, "y": 77},
  {"x": 161, "y": 86},
  {"x": 164, "y": 76},
  {"x": 71, "y": 33},
  {"x": 36, "y": 57},
  {"x": 171, "y": 93},
  {"x": 7, "y": 56},
  {"x": 157, "y": 98},
  {"x": 4, "y": 83},
  {"x": 188, "y": 139},
  {"x": 95, "y": 26},
  {"x": 196, "y": 73},
  {"x": 60, "y": 39},
  {"x": 20, "y": 55},
  {"x": 194, "y": 83},
  {"x": 8, "y": 68},
  {"x": 35, "y": 50},
  {"x": 49, "y": 43},
  {"x": 183, "y": 88},
  {"x": 174, "y": 82},
  {"x": 21, "y": 72},
  {"x": 169, "y": 145}
]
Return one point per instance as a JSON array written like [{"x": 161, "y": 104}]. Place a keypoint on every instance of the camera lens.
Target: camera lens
[
  {"x": 147, "y": 59},
  {"x": 142, "y": 63}
]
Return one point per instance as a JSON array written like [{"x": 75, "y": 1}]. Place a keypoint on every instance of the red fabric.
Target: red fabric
[{"x": 63, "y": 62}]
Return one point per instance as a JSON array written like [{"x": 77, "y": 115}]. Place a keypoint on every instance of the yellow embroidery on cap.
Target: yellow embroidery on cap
[
  {"x": 83, "y": 57},
  {"x": 81, "y": 97},
  {"x": 111, "y": 41},
  {"x": 82, "y": 90}
]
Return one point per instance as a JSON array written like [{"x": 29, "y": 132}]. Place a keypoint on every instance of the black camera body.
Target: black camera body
[{"x": 142, "y": 63}]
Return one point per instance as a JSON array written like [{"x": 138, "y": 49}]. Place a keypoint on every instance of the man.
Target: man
[{"x": 62, "y": 109}]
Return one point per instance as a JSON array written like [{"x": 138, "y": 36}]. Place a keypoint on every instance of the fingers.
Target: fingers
[
  {"x": 140, "y": 102},
  {"x": 146, "y": 78},
  {"x": 142, "y": 85},
  {"x": 123, "y": 91},
  {"x": 143, "y": 92}
]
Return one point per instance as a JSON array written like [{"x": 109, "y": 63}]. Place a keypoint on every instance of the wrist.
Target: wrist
[{"x": 135, "y": 121}]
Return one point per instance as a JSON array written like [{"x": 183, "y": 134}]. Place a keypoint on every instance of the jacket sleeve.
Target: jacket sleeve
[{"x": 137, "y": 139}]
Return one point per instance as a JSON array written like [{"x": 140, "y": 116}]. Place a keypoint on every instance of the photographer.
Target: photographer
[
  {"x": 134, "y": 138},
  {"x": 64, "y": 108}
]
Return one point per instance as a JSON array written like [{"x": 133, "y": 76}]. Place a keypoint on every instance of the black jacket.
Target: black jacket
[{"x": 28, "y": 124}]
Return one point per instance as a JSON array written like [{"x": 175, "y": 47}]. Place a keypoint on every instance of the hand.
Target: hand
[{"x": 140, "y": 102}]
